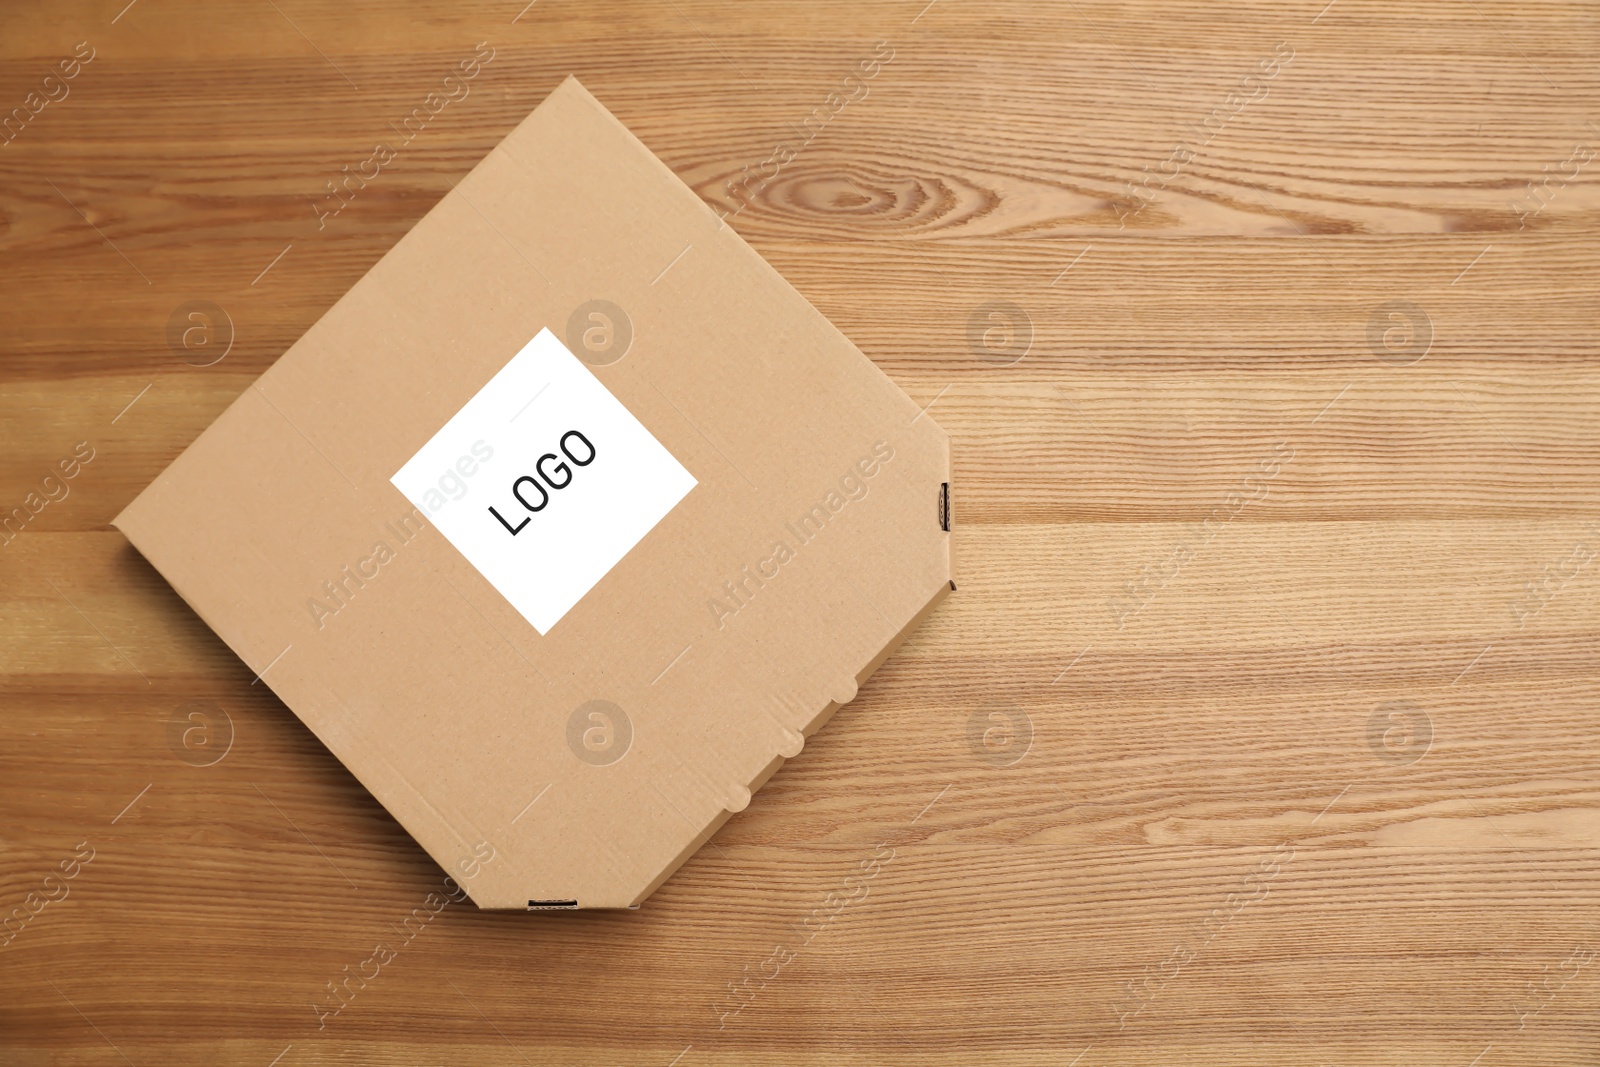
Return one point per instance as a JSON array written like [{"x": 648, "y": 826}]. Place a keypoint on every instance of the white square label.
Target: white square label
[{"x": 544, "y": 481}]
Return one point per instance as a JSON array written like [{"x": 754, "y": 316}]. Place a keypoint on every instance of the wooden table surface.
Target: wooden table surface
[{"x": 1263, "y": 727}]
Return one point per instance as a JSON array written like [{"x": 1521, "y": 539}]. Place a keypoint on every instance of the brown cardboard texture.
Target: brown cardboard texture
[{"x": 566, "y": 525}]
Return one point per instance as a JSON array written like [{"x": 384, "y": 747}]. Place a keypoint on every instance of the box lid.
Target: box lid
[{"x": 566, "y": 525}]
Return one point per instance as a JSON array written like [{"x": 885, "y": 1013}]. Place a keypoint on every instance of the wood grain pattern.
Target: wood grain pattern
[{"x": 1301, "y": 764}]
